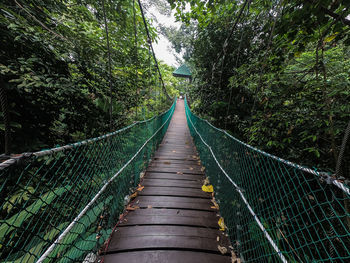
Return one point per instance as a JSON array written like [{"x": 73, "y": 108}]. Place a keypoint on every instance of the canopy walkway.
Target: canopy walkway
[{"x": 116, "y": 198}]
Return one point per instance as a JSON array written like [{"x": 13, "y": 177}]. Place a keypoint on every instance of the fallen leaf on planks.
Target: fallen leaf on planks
[
  {"x": 179, "y": 172},
  {"x": 234, "y": 258},
  {"x": 133, "y": 195},
  {"x": 140, "y": 188},
  {"x": 203, "y": 168},
  {"x": 149, "y": 207},
  {"x": 221, "y": 224},
  {"x": 174, "y": 151},
  {"x": 191, "y": 168},
  {"x": 167, "y": 162},
  {"x": 216, "y": 206},
  {"x": 222, "y": 250},
  {"x": 132, "y": 208},
  {"x": 206, "y": 181},
  {"x": 207, "y": 188}
]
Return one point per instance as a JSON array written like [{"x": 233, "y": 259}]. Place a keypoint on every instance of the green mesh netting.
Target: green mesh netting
[
  {"x": 75, "y": 193},
  {"x": 274, "y": 210}
]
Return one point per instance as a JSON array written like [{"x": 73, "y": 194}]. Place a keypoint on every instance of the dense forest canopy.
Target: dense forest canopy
[
  {"x": 55, "y": 74},
  {"x": 273, "y": 73}
]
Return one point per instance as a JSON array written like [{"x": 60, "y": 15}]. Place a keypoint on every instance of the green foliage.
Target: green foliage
[
  {"x": 53, "y": 67},
  {"x": 282, "y": 81}
]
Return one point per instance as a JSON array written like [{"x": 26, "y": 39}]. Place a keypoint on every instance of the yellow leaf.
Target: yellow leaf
[
  {"x": 330, "y": 38},
  {"x": 207, "y": 188},
  {"x": 221, "y": 224},
  {"x": 140, "y": 188},
  {"x": 133, "y": 195},
  {"x": 216, "y": 206},
  {"x": 297, "y": 54}
]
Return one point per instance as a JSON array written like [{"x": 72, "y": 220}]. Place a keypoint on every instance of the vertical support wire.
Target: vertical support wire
[
  {"x": 109, "y": 67},
  {"x": 154, "y": 56},
  {"x": 6, "y": 118},
  {"x": 136, "y": 58}
]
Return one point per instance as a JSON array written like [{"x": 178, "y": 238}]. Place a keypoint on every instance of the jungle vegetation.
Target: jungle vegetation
[{"x": 273, "y": 73}]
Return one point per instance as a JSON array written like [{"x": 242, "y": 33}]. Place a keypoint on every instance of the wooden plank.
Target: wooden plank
[
  {"x": 173, "y": 191},
  {"x": 163, "y": 242},
  {"x": 174, "y": 212},
  {"x": 167, "y": 256},
  {"x": 171, "y": 183},
  {"x": 173, "y": 170},
  {"x": 193, "y": 166},
  {"x": 144, "y": 220},
  {"x": 174, "y": 202},
  {"x": 169, "y": 230},
  {"x": 174, "y": 176}
]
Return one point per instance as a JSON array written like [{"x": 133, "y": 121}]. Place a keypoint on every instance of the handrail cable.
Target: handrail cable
[
  {"x": 103, "y": 188},
  {"x": 239, "y": 190}
]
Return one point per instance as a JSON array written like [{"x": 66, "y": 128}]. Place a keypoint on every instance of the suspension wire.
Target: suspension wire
[
  {"x": 338, "y": 170},
  {"x": 224, "y": 51},
  {"x": 6, "y": 117},
  {"x": 136, "y": 57},
  {"x": 109, "y": 67},
  {"x": 154, "y": 56},
  {"x": 236, "y": 65}
]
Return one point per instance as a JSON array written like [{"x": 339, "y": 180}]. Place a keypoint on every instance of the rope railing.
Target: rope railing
[
  {"x": 60, "y": 205},
  {"x": 274, "y": 210}
]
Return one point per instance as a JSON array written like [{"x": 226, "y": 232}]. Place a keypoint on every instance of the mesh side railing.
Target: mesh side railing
[
  {"x": 274, "y": 210},
  {"x": 60, "y": 205}
]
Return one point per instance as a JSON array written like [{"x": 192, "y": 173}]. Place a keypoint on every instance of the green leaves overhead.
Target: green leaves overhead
[
  {"x": 283, "y": 84},
  {"x": 54, "y": 68}
]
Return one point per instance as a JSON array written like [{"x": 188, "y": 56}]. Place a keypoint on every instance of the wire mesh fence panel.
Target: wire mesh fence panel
[
  {"x": 274, "y": 210},
  {"x": 60, "y": 205}
]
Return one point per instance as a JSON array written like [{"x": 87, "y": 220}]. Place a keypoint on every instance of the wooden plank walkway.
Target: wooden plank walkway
[{"x": 175, "y": 221}]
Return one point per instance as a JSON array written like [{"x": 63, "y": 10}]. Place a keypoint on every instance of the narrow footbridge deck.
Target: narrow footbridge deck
[{"x": 173, "y": 220}]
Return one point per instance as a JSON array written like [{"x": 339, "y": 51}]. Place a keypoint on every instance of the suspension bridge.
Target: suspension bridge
[
  {"x": 173, "y": 188},
  {"x": 142, "y": 194}
]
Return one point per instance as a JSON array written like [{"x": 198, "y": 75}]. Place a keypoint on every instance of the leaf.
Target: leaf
[
  {"x": 234, "y": 258},
  {"x": 140, "y": 188},
  {"x": 330, "y": 38},
  {"x": 132, "y": 208},
  {"x": 221, "y": 224},
  {"x": 203, "y": 168},
  {"x": 30, "y": 256},
  {"x": 80, "y": 227},
  {"x": 207, "y": 188},
  {"x": 18, "y": 219},
  {"x": 223, "y": 250},
  {"x": 133, "y": 195},
  {"x": 216, "y": 206}
]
